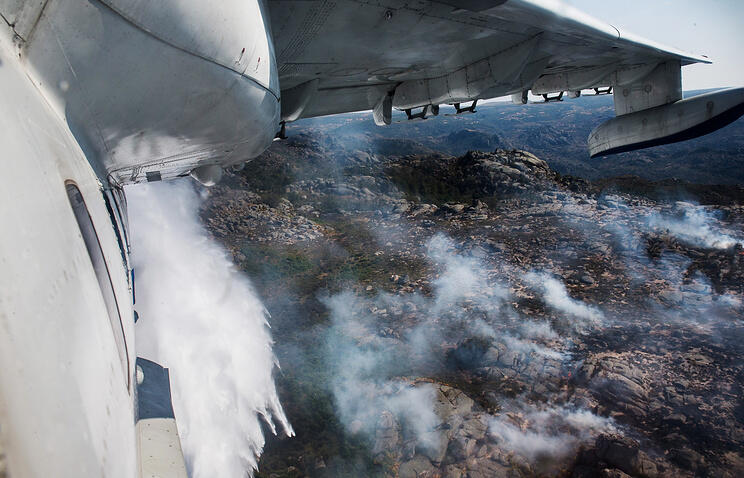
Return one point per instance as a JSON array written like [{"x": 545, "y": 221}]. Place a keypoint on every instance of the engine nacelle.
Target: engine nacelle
[
  {"x": 669, "y": 123},
  {"x": 154, "y": 90}
]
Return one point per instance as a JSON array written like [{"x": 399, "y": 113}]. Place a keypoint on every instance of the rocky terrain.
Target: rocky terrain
[{"x": 481, "y": 315}]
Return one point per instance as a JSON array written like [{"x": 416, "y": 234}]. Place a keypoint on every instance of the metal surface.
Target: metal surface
[
  {"x": 295, "y": 100},
  {"x": 578, "y": 79},
  {"x": 501, "y": 71},
  {"x": 159, "y": 447},
  {"x": 233, "y": 36},
  {"x": 65, "y": 407},
  {"x": 660, "y": 87},
  {"x": 153, "y": 390},
  {"x": 208, "y": 175},
  {"x": 446, "y": 51},
  {"x": 666, "y": 124},
  {"x": 157, "y": 86},
  {"x": 383, "y": 111}
]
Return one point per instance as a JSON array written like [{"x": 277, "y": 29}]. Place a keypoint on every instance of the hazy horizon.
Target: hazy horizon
[{"x": 714, "y": 28}]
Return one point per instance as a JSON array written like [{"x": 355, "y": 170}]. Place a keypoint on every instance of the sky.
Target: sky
[{"x": 709, "y": 27}]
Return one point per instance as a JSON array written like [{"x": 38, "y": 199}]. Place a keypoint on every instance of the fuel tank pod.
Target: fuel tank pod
[{"x": 670, "y": 123}]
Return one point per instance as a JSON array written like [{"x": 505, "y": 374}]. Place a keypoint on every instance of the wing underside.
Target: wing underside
[
  {"x": 345, "y": 55},
  {"x": 338, "y": 56}
]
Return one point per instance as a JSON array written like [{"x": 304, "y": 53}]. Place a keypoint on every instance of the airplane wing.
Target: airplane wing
[
  {"x": 337, "y": 56},
  {"x": 354, "y": 48}
]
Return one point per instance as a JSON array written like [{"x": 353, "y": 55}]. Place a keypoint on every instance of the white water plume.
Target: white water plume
[{"x": 200, "y": 317}]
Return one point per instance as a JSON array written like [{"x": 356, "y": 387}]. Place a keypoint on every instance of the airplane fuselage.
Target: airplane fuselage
[{"x": 94, "y": 95}]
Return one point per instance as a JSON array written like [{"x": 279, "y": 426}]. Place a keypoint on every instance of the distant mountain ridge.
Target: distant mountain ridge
[{"x": 555, "y": 132}]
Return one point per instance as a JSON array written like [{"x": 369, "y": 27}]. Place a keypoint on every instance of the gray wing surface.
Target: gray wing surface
[{"x": 337, "y": 56}]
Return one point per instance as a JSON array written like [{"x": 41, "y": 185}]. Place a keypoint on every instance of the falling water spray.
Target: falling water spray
[{"x": 200, "y": 317}]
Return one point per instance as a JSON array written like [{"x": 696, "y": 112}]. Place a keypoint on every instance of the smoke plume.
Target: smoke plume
[
  {"x": 201, "y": 318},
  {"x": 694, "y": 225},
  {"x": 373, "y": 341},
  {"x": 364, "y": 365},
  {"x": 556, "y": 296},
  {"x": 552, "y": 432}
]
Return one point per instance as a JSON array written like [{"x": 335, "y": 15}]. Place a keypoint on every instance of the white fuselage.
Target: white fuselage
[{"x": 94, "y": 95}]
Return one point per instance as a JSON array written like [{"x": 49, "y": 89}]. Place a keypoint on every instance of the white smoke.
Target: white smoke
[
  {"x": 552, "y": 432},
  {"x": 556, "y": 296},
  {"x": 695, "y": 225},
  {"x": 539, "y": 330},
  {"x": 463, "y": 276},
  {"x": 363, "y": 364},
  {"x": 201, "y": 318}
]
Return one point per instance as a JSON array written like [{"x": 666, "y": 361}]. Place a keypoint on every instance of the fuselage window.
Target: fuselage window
[{"x": 102, "y": 273}]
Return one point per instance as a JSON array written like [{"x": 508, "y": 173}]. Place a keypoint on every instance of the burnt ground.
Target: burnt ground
[{"x": 547, "y": 325}]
